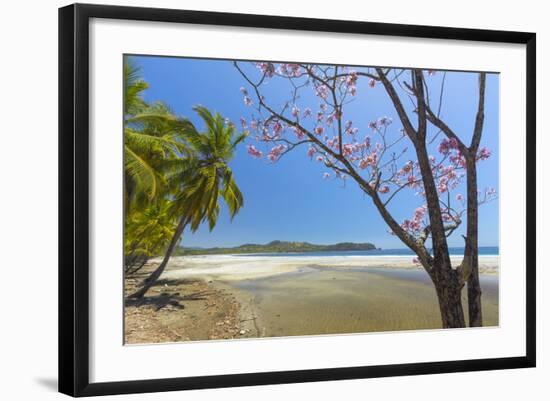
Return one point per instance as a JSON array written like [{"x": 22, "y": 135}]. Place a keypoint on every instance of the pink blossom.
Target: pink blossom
[
  {"x": 384, "y": 189},
  {"x": 370, "y": 160},
  {"x": 442, "y": 187},
  {"x": 298, "y": 132},
  {"x": 277, "y": 128},
  {"x": 295, "y": 111},
  {"x": 319, "y": 158},
  {"x": 349, "y": 129},
  {"x": 307, "y": 112},
  {"x": 311, "y": 151},
  {"x": 459, "y": 197},
  {"x": 291, "y": 70},
  {"x": 407, "y": 168},
  {"x": 351, "y": 82},
  {"x": 483, "y": 154},
  {"x": 254, "y": 152},
  {"x": 243, "y": 123},
  {"x": 384, "y": 121},
  {"x": 247, "y": 101},
  {"x": 419, "y": 213},
  {"x": 321, "y": 91},
  {"x": 351, "y": 79},
  {"x": 318, "y": 130},
  {"x": 276, "y": 152},
  {"x": 447, "y": 145},
  {"x": 267, "y": 68},
  {"x": 372, "y": 83},
  {"x": 348, "y": 149},
  {"x": 326, "y": 176},
  {"x": 367, "y": 142},
  {"x": 243, "y": 91},
  {"x": 333, "y": 143},
  {"x": 449, "y": 172},
  {"x": 373, "y": 125},
  {"x": 458, "y": 160}
]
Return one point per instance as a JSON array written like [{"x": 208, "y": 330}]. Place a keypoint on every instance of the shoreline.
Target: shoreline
[
  {"x": 240, "y": 267},
  {"x": 218, "y": 297}
]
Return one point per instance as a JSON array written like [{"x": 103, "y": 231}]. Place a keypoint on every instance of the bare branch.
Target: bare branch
[
  {"x": 411, "y": 133},
  {"x": 476, "y": 137}
]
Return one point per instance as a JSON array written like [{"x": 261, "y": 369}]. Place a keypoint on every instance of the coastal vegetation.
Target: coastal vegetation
[
  {"x": 175, "y": 176},
  {"x": 276, "y": 247}
]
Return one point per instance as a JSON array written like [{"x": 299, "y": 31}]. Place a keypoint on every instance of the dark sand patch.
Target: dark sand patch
[
  {"x": 181, "y": 310},
  {"x": 332, "y": 301}
]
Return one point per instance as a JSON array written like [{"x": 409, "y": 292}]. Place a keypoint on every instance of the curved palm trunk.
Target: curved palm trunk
[{"x": 153, "y": 277}]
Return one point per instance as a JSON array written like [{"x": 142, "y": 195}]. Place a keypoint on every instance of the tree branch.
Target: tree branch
[
  {"x": 476, "y": 137},
  {"x": 409, "y": 129}
]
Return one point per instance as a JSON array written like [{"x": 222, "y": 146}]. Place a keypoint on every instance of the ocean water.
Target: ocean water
[{"x": 458, "y": 251}]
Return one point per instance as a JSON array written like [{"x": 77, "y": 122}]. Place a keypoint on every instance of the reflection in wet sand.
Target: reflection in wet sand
[
  {"x": 308, "y": 294},
  {"x": 329, "y": 301}
]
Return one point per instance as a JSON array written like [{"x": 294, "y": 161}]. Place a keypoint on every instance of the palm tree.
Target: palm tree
[
  {"x": 198, "y": 183},
  {"x": 147, "y": 233},
  {"x": 152, "y": 134},
  {"x": 153, "y": 137}
]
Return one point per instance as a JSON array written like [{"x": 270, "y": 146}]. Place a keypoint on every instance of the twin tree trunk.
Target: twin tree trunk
[
  {"x": 446, "y": 280},
  {"x": 151, "y": 280},
  {"x": 449, "y": 290}
]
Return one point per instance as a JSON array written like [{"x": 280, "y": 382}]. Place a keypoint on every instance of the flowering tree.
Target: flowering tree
[{"x": 379, "y": 160}]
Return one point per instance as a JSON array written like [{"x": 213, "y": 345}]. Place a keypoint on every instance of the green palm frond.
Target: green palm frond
[
  {"x": 133, "y": 87},
  {"x": 147, "y": 180},
  {"x": 167, "y": 145},
  {"x": 169, "y": 161}
]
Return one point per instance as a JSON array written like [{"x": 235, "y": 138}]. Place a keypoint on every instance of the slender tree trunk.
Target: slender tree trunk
[
  {"x": 138, "y": 268},
  {"x": 471, "y": 247},
  {"x": 448, "y": 290},
  {"x": 153, "y": 277}
]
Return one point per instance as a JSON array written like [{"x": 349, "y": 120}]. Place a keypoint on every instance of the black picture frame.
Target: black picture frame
[{"x": 74, "y": 198}]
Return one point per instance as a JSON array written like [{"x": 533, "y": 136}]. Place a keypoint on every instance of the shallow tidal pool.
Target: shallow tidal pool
[{"x": 313, "y": 301}]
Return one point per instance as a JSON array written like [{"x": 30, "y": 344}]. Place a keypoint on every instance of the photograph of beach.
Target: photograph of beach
[{"x": 273, "y": 199}]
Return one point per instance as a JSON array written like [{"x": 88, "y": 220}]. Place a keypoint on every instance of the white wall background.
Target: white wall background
[{"x": 28, "y": 200}]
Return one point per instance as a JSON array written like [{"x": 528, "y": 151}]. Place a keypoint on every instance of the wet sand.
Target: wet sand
[
  {"x": 331, "y": 301},
  {"x": 309, "y": 295}
]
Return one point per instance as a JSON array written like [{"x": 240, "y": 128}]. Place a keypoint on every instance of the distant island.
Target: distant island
[{"x": 277, "y": 247}]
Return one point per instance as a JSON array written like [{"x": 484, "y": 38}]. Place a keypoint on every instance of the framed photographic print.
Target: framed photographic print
[{"x": 250, "y": 199}]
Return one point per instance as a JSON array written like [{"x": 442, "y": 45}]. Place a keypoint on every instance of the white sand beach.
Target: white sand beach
[
  {"x": 242, "y": 267},
  {"x": 269, "y": 295}
]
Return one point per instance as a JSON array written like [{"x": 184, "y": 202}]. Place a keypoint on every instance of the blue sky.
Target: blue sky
[{"x": 290, "y": 200}]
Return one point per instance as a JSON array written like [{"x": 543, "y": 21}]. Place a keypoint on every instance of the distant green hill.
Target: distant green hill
[{"x": 277, "y": 247}]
